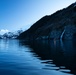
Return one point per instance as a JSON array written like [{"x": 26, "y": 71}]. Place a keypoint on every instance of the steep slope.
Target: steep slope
[{"x": 60, "y": 25}]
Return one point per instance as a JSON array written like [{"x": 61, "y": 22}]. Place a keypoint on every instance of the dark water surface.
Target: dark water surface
[{"x": 37, "y": 57}]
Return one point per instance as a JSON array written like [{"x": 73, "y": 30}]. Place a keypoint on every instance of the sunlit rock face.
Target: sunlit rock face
[{"x": 60, "y": 25}]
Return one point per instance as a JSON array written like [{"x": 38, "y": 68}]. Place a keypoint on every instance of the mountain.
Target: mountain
[
  {"x": 11, "y": 35},
  {"x": 60, "y": 25}
]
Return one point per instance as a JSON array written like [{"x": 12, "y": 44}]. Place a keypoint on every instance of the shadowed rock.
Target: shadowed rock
[{"x": 60, "y": 25}]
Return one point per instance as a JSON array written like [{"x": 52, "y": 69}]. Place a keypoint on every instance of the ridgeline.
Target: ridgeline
[{"x": 60, "y": 25}]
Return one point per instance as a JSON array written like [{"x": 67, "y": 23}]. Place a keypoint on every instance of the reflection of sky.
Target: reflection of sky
[{"x": 22, "y": 13}]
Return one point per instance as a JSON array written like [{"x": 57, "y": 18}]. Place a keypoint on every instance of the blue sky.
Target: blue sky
[{"x": 16, "y": 14}]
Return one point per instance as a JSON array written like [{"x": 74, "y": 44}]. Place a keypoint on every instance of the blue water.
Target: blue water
[{"x": 37, "y": 58}]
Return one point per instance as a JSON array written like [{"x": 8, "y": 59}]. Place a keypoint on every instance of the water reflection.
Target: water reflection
[
  {"x": 37, "y": 57},
  {"x": 56, "y": 55}
]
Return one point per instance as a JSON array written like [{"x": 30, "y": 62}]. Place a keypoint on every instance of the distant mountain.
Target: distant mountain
[
  {"x": 60, "y": 25},
  {"x": 11, "y": 35}
]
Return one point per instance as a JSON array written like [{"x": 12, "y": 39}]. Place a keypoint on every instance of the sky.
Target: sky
[{"x": 16, "y": 14}]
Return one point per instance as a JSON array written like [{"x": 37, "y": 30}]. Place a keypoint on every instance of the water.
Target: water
[{"x": 37, "y": 58}]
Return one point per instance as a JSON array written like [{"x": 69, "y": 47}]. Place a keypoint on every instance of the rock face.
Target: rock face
[{"x": 60, "y": 25}]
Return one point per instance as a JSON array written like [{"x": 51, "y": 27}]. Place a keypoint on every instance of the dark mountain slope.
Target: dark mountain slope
[{"x": 60, "y": 25}]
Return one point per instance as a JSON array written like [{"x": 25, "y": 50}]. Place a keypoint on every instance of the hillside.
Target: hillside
[{"x": 60, "y": 25}]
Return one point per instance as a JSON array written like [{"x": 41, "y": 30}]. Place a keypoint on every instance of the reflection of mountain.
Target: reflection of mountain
[
  {"x": 60, "y": 25},
  {"x": 62, "y": 53}
]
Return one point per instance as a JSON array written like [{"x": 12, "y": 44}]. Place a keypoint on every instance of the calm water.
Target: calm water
[{"x": 37, "y": 58}]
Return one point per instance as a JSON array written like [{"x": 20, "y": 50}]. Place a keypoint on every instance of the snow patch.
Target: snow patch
[{"x": 2, "y": 31}]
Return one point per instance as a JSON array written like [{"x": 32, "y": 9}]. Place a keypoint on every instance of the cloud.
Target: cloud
[{"x": 2, "y": 31}]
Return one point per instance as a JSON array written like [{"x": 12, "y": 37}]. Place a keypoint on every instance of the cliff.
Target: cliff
[{"x": 60, "y": 25}]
